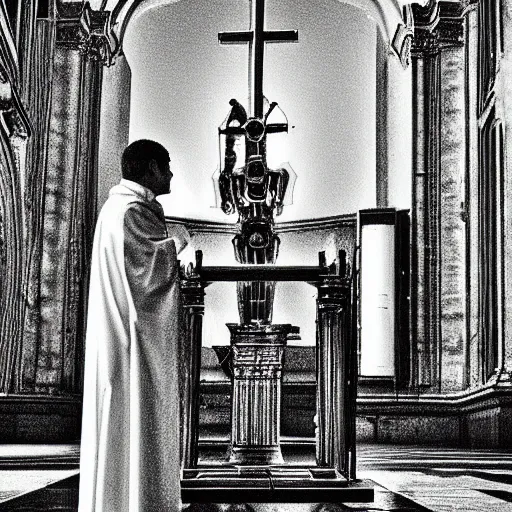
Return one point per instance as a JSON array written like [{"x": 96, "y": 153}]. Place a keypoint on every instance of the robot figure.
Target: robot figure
[{"x": 255, "y": 192}]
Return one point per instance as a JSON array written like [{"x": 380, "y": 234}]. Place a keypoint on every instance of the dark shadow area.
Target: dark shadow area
[{"x": 498, "y": 493}]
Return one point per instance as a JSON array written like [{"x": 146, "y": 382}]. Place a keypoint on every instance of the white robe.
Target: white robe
[{"x": 129, "y": 458}]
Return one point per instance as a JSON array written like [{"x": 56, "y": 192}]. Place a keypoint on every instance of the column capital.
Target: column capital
[
  {"x": 81, "y": 27},
  {"x": 94, "y": 30},
  {"x": 193, "y": 293},
  {"x": 438, "y": 25},
  {"x": 425, "y": 42}
]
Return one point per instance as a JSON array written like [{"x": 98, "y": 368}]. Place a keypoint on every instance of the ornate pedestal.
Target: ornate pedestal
[{"x": 257, "y": 355}]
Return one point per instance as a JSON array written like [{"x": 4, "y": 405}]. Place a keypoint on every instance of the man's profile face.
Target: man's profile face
[{"x": 162, "y": 176}]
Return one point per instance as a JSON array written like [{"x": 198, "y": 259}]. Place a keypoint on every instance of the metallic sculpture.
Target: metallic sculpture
[
  {"x": 255, "y": 192},
  {"x": 252, "y": 189}
]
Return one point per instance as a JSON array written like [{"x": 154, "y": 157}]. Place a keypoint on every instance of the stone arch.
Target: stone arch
[{"x": 391, "y": 16}]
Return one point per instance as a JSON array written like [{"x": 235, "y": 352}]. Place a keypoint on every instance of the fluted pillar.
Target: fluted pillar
[
  {"x": 257, "y": 358},
  {"x": 14, "y": 131},
  {"x": 332, "y": 367},
  {"x": 62, "y": 191}
]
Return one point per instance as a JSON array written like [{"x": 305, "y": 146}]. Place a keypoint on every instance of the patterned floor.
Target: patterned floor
[{"x": 407, "y": 479}]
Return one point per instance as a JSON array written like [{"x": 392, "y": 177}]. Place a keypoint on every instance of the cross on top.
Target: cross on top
[{"x": 257, "y": 37}]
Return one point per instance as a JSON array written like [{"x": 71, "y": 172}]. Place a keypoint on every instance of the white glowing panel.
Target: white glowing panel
[{"x": 377, "y": 300}]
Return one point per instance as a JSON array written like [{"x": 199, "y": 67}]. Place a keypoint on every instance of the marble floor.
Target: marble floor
[{"x": 406, "y": 479}]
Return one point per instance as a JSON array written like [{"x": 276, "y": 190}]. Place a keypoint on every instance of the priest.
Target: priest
[{"x": 129, "y": 458}]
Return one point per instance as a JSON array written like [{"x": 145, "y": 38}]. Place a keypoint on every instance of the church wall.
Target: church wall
[
  {"x": 452, "y": 235},
  {"x": 473, "y": 359},
  {"x": 399, "y": 133}
]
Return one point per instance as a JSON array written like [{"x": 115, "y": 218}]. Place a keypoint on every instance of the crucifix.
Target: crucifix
[{"x": 257, "y": 37}]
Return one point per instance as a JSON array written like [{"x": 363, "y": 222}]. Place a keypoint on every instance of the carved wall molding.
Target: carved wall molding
[{"x": 402, "y": 40}]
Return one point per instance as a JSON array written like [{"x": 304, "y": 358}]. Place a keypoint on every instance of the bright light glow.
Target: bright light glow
[{"x": 182, "y": 81}]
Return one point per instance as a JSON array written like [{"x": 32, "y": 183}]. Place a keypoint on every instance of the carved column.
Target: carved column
[
  {"x": 62, "y": 195},
  {"x": 438, "y": 229},
  {"x": 37, "y": 59},
  {"x": 332, "y": 364},
  {"x": 257, "y": 353},
  {"x": 425, "y": 205},
  {"x": 82, "y": 211},
  {"x": 190, "y": 368},
  {"x": 452, "y": 149},
  {"x": 14, "y": 131}
]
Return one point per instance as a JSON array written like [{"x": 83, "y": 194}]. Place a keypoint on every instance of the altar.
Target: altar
[
  {"x": 253, "y": 468},
  {"x": 254, "y": 463}
]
